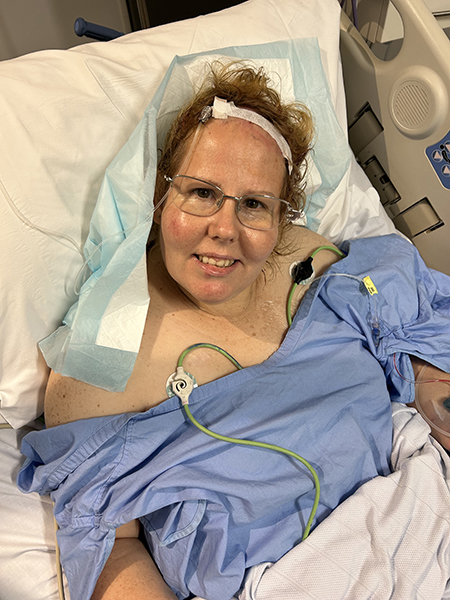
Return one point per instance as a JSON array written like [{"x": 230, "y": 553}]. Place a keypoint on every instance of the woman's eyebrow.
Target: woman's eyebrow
[{"x": 252, "y": 192}]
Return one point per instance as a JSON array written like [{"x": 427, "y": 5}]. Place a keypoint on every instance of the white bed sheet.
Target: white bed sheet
[{"x": 389, "y": 540}]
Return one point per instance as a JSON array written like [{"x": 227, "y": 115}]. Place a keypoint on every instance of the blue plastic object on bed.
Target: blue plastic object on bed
[{"x": 95, "y": 32}]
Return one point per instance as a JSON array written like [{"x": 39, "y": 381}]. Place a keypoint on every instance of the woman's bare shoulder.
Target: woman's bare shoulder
[
  {"x": 303, "y": 243},
  {"x": 306, "y": 241},
  {"x": 67, "y": 399}
]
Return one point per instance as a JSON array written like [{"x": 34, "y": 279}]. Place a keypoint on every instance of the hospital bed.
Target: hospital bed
[{"x": 66, "y": 114}]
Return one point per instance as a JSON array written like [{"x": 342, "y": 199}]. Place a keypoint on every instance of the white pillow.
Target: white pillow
[{"x": 62, "y": 124}]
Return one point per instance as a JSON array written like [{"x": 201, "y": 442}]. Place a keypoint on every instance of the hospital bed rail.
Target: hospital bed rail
[
  {"x": 399, "y": 119},
  {"x": 94, "y": 31}
]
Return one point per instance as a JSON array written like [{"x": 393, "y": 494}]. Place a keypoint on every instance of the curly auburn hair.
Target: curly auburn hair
[{"x": 248, "y": 88}]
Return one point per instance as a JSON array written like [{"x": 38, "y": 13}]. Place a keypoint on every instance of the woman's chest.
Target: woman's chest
[
  {"x": 212, "y": 344},
  {"x": 171, "y": 328}
]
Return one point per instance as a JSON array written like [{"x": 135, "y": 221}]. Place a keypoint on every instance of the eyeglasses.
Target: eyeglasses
[{"x": 202, "y": 199}]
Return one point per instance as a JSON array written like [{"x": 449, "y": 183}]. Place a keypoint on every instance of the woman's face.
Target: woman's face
[{"x": 216, "y": 259}]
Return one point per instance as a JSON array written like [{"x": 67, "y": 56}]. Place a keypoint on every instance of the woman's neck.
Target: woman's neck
[{"x": 236, "y": 310}]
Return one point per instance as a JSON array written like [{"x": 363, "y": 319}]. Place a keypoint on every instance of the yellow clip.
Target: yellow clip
[{"x": 370, "y": 286}]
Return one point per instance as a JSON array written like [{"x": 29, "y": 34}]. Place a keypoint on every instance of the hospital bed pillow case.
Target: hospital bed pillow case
[{"x": 66, "y": 114}]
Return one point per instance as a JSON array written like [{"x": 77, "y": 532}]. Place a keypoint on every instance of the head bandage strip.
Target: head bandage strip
[{"x": 222, "y": 109}]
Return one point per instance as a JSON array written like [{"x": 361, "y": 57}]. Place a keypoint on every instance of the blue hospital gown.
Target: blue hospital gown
[{"x": 210, "y": 509}]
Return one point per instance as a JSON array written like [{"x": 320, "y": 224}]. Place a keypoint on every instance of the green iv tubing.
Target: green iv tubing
[{"x": 184, "y": 388}]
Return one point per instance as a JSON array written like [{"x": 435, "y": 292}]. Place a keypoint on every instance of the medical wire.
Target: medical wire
[
  {"x": 123, "y": 232},
  {"x": 295, "y": 285},
  {"x": 417, "y": 381},
  {"x": 245, "y": 442},
  {"x": 59, "y": 575},
  {"x": 61, "y": 237},
  {"x": 374, "y": 323},
  {"x": 354, "y": 11},
  {"x": 308, "y": 271}
]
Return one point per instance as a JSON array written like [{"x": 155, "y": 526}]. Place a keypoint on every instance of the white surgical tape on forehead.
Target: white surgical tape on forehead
[{"x": 221, "y": 109}]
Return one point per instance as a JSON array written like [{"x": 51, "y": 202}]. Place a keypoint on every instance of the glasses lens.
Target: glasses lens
[
  {"x": 261, "y": 212},
  {"x": 200, "y": 198},
  {"x": 196, "y": 197}
]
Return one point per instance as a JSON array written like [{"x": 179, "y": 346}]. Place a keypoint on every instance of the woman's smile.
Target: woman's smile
[{"x": 216, "y": 262}]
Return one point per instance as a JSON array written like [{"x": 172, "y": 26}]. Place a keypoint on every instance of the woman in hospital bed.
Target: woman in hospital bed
[{"x": 220, "y": 273}]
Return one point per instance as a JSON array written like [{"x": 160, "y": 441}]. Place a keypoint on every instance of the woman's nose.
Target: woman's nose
[{"x": 224, "y": 223}]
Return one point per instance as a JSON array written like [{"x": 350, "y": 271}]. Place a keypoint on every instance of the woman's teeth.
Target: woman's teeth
[{"x": 223, "y": 262}]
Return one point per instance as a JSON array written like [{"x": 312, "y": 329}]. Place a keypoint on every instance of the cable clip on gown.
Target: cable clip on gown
[{"x": 375, "y": 322}]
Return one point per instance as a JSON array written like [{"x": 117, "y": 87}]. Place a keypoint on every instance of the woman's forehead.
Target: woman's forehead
[
  {"x": 238, "y": 155},
  {"x": 232, "y": 140},
  {"x": 240, "y": 130}
]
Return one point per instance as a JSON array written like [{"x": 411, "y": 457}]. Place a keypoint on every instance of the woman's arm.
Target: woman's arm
[
  {"x": 131, "y": 574},
  {"x": 432, "y": 373}
]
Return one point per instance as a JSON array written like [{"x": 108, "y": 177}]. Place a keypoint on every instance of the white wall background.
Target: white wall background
[{"x": 30, "y": 25}]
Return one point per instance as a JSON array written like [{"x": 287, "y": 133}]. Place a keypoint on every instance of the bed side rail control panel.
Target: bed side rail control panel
[
  {"x": 415, "y": 219},
  {"x": 399, "y": 120}
]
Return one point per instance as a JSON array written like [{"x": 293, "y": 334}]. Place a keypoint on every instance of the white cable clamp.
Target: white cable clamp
[{"x": 181, "y": 384}]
